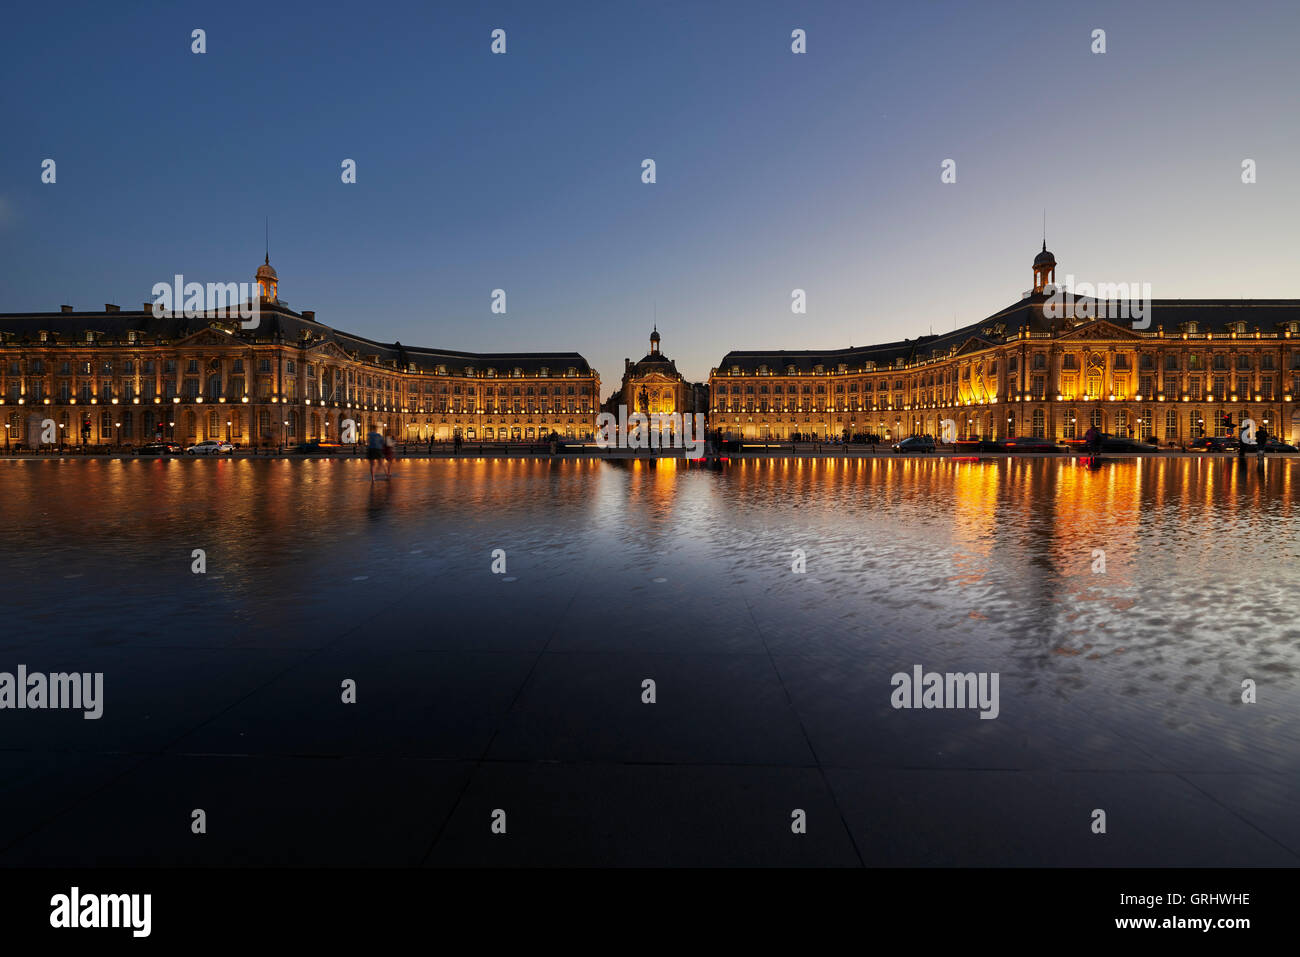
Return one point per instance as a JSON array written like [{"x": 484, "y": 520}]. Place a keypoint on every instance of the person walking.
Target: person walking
[
  {"x": 1092, "y": 438},
  {"x": 1261, "y": 439},
  {"x": 390, "y": 454},
  {"x": 374, "y": 450}
]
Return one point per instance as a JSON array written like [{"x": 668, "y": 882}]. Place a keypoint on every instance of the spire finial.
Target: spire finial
[{"x": 267, "y": 260}]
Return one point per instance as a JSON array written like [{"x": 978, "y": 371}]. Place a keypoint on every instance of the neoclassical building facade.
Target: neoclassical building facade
[
  {"x": 653, "y": 385},
  {"x": 126, "y": 377},
  {"x": 1184, "y": 369}
]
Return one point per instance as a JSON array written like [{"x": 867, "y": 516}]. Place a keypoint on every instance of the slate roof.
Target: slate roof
[
  {"x": 277, "y": 323},
  {"x": 1210, "y": 315}
]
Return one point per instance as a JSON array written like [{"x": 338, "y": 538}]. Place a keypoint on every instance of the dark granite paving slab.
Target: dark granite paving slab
[
  {"x": 1268, "y": 801},
  {"x": 150, "y": 696},
  {"x": 845, "y": 707},
  {"x": 483, "y": 612},
  {"x": 700, "y": 624},
  {"x": 38, "y": 786},
  {"x": 260, "y": 812},
  {"x": 710, "y": 709},
  {"x": 413, "y": 704},
  {"x": 1177, "y": 725},
  {"x": 644, "y": 816},
  {"x": 973, "y": 818}
]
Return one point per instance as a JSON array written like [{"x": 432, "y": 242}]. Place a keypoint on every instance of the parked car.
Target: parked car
[
  {"x": 1274, "y": 445},
  {"x": 1209, "y": 443},
  {"x": 159, "y": 448},
  {"x": 318, "y": 447},
  {"x": 1025, "y": 443},
  {"x": 1116, "y": 443},
  {"x": 914, "y": 443},
  {"x": 210, "y": 447}
]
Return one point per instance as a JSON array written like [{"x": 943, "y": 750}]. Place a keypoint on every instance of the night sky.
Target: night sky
[{"x": 522, "y": 171}]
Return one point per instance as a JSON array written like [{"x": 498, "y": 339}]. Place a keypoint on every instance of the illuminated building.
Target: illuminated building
[
  {"x": 1188, "y": 367},
  {"x": 126, "y": 377}
]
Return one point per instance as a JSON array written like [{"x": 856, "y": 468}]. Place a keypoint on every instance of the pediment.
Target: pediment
[
  {"x": 328, "y": 348},
  {"x": 207, "y": 337},
  {"x": 1099, "y": 329},
  {"x": 974, "y": 344}
]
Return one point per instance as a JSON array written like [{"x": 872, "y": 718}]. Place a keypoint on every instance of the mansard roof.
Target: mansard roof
[
  {"x": 277, "y": 323},
  {"x": 1173, "y": 315}
]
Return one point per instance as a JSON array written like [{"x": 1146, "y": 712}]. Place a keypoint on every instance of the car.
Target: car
[
  {"x": 211, "y": 447},
  {"x": 1215, "y": 443},
  {"x": 914, "y": 444},
  {"x": 159, "y": 448},
  {"x": 1275, "y": 445},
  {"x": 318, "y": 447},
  {"x": 1112, "y": 443},
  {"x": 1025, "y": 443},
  {"x": 1119, "y": 443}
]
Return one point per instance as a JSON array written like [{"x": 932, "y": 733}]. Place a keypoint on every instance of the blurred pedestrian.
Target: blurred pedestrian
[
  {"x": 374, "y": 450},
  {"x": 390, "y": 453}
]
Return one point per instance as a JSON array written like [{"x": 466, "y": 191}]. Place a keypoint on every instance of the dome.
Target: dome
[
  {"x": 654, "y": 336},
  {"x": 266, "y": 271},
  {"x": 1044, "y": 258}
]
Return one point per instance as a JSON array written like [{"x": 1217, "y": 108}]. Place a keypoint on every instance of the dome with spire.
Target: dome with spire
[
  {"x": 1044, "y": 258},
  {"x": 268, "y": 284}
]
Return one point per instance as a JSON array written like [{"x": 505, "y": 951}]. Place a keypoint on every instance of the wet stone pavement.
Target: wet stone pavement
[{"x": 770, "y": 604}]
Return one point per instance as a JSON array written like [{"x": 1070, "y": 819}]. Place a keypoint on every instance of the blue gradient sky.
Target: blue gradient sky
[{"x": 522, "y": 171}]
